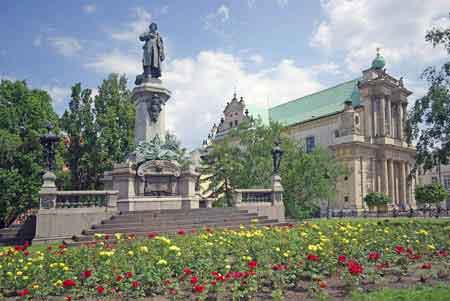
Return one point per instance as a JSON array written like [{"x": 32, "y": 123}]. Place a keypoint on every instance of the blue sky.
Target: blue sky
[{"x": 271, "y": 51}]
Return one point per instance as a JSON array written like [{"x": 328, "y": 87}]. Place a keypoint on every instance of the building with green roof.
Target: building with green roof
[{"x": 362, "y": 122}]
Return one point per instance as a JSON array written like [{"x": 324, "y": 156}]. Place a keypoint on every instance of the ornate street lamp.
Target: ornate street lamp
[
  {"x": 48, "y": 189},
  {"x": 49, "y": 142}
]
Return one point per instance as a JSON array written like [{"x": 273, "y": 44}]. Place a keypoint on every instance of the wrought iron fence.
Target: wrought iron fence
[
  {"x": 256, "y": 196},
  {"x": 419, "y": 212}
]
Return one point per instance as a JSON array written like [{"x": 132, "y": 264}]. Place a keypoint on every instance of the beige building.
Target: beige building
[
  {"x": 432, "y": 176},
  {"x": 362, "y": 121}
]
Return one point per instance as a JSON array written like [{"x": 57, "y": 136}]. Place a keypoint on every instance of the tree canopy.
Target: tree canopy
[
  {"x": 429, "y": 118},
  {"x": 243, "y": 160},
  {"x": 431, "y": 194},
  {"x": 24, "y": 114}
]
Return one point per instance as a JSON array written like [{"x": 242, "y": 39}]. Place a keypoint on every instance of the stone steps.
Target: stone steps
[
  {"x": 174, "y": 227},
  {"x": 180, "y": 212},
  {"x": 172, "y": 219},
  {"x": 161, "y": 222}
]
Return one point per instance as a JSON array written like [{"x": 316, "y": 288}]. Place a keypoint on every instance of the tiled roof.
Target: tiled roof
[{"x": 322, "y": 103}]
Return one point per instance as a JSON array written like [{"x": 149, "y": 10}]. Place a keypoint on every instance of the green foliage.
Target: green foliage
[
  {"x": 307, "y": 178},
  {"x": 377, "y": 199},
  {"x": 428, "y": 120},
  {"x": 431, "y": 194},
  {"x": 420, "y": 293},
  {"x": 99, "y": 131},
  {"x": 24, "y": 113}
]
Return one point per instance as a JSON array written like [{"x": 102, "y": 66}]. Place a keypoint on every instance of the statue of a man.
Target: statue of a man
[{"x": 153, "y": 54}]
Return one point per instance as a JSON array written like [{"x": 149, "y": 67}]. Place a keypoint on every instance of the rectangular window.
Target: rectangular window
[
  {"x": 446, "y": 180},
  {"x": 310, "y": 144},
  {"x": 434, "y": 180}
]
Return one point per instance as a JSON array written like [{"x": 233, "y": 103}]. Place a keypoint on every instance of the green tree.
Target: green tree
[
  {"x": 243, "y": 160},
  {"x": 377, "y": 199},
  {"x": 431, "y": 194},
  {"x": 428, "y": 120},
  {"x": 24, "y": 113},
  {"x": 99, "y": 131}
]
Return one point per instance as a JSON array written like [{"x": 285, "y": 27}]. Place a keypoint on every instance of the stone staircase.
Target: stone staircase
[{"x": 141, "y": 223}]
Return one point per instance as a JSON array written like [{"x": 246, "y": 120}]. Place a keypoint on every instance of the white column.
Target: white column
[
  {"x": 382, "y": 117},
  {"x": 389, "y": 117},
  {"x": 408, "y": 184},
  {"x": 403, "y": 183},
  {"x": 400, "y": 121},
  {"x": 391, "y": 179},
  {"x": 374, "y": 118},
  {"x": 384, "y": 177}
]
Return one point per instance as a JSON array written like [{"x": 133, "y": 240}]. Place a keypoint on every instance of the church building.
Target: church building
[{"x": 362, "y": 121}]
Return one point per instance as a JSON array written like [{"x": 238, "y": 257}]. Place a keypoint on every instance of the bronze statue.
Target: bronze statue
[
  {"x": 277, "y": 153},
  {"x": 153, "y": 54}
]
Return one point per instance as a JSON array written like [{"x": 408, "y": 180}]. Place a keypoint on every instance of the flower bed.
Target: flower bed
[{"x": 309, "y": 259}]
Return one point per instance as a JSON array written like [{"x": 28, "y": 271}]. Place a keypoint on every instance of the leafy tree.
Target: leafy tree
[
  {"x": 243, "y": 160},
  {"x": 24, "y": 113},
  {"x": 377, "y": 199},
  {"x": 99, "y": 131},
  {"x": 429, "y": 119},
  {"x": 431, "y": 194}
]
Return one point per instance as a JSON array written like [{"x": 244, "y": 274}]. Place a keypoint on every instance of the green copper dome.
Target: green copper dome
[{"x": 378, "y": 62}]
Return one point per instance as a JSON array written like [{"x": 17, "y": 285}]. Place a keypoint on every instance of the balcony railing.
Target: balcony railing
[{"x": 79, "y": 199}]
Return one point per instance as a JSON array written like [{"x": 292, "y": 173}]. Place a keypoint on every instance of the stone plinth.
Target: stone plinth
[{"x": 150, "y": 98}]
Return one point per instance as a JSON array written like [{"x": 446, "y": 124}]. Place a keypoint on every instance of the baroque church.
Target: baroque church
[{"x": 362, "y": 122}]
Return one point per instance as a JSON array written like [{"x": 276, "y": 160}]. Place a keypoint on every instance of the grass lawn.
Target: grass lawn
[{"x": 420, "y": 293}]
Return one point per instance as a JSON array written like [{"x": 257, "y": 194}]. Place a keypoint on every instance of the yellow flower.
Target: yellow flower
[
  {"x": 162, "y": 262},
  {"x": 130, "y": 253},
  {"x": 423, "y": 232},
  {"x": 312, "y": 248},
  {"x": 35, "y": 286},
  {"x": 106, "y": 253},
  {"x": 53, "y": 265},
  {"x": 66, "y": 268},
  {"x": 118, "y": 236},
  {"x": 286, "y": 254},
  {"x": 277, "y": 249},
  {"x": 19, "y": 273},
  {"x": 98, "y": 235},
  {"x": 58, "y": 283},
  {"x": 174, "y": 248},
  {"x": 431, "y": 247},
  {"x": 25, "y": 277},
  {"x": 228, "y": 266},
  {"x": 10, "y": 274},
  {"x": 144, "y": 249}
]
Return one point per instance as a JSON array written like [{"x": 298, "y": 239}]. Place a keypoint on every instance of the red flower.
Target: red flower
[
  {"x": 62, "y": 246},
  {"x": 342, "y": 258},
  {"x": 193, "y": 230},
  {"x": 399, "y": 249},
  {"x": 181, "y": 232},
  {"x": 69, "y": 283},
  {"x": 19, "y": 248},
  {"x": 278, "y": 267},
  {"x": 49, "y": 248},
  {"x": 414, "y": 256},
  {"x": 443, "y": 253},
  {"x": 252, "y": 264},
  {"x": 23, "y": 292},
  {"x": 87, "y": 274},
  {"x": 322, "y": 284},
  {"x": 68, "y": 298},
  {"x": 26, "y": 253},
  {"x": 151, "y": 235},
  {"x": 187, "y": 271},
  {"x": 167, "y": 282},
  {"x": 100, "y": 289},
  {"x": 106, "y": 237},
  {"x": 426, "y": 266},
  {"x": 194, "y": 279},
  {"x": 119, "y": 278},
  {"x": 373, "y": 256},
  {"x": 213, "y": 282},
  {"x": 128, "y": 275},
  {"x": 209, "y": 230},
  {"x": 312, "y": 257},
  {"x": 220, "y": 277},
  {"x": 199, "y": 288},
  {"x": 354, "y": 267},
  {"x": 135, "y": 284},
  {"x": 381, "y": 266}
]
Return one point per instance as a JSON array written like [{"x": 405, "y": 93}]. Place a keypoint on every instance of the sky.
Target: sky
[{"x": 268, "y": 51}]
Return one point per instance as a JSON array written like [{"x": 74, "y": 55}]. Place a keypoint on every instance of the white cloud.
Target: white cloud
[
  {"x": 115, "y": 62},
  {"x": 251, "y": 3},
  {"x": 202, "y": 86},
  {"x": 58, "y": 94},
  {"x": 327, "y": 68},
  {"x": 213, "y": 20},
  {"x": 256, "y": 58},
  {"x": 282, "y": 3},
  {"x": 359, "y": 27},
  {"x": 164, "y": 10},
  {"x": 140, "y": 22},
  {"x": 89, "y": 8},
  {"x": 66, "y": 46}
]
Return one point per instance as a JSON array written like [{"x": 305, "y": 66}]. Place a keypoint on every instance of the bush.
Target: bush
[
  {"x": 376, "y": 199},
  {"x": 431, "y": 194}
]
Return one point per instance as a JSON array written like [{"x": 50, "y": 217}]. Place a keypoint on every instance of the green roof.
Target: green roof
[{"x": 319, "y": 104}]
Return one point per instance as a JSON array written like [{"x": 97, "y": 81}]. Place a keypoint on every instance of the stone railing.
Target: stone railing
[
  {"x": 79, "y": 199},
  {"x": 252, "y": 195}
]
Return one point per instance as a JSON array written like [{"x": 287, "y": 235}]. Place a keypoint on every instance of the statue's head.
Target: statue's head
[{"x": 153, "y": 27}]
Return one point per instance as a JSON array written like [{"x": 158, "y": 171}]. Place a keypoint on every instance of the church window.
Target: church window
[
  {"x": 446, "y": 183},
  {"x": 346, "y": 199},
  {"x": 345, "y": 178},
  {"x": 231, "y": 124},
  {"x": 310, "y": 144},
  {"x": 356, "y": 119}
]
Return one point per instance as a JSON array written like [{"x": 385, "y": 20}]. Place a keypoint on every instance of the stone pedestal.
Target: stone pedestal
[
  {"x": 150, "y": 99},
  {"x": 47, "y": 194},
  {"x": 277, "y": 195}
]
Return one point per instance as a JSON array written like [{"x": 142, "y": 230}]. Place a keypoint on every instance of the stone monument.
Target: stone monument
[{"x": 157, "y": 175}]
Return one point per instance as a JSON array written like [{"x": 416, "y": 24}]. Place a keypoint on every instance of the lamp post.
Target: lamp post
[{"x": 48, "y": 189}]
